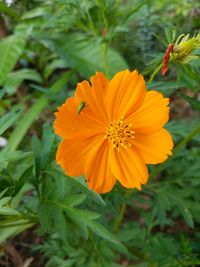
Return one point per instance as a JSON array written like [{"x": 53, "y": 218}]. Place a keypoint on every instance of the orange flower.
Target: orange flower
[{"x": 116, "y": 132}]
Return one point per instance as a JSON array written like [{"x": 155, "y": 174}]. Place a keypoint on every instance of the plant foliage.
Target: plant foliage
[{"x": 46, "y": 47}]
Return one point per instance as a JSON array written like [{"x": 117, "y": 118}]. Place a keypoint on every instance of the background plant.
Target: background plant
[{"x": 48, "y": 46}]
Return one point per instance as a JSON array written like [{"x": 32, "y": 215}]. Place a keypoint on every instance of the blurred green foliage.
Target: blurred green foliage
[{"x": 45, "y": 49}]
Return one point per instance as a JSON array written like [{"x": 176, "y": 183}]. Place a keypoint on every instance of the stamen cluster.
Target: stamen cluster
[{"x": 119, "y": 134}]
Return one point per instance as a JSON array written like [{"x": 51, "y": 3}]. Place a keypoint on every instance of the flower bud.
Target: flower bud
[
  {"x": 181, "y": 51},
  {"x": 184, "y": 48}
]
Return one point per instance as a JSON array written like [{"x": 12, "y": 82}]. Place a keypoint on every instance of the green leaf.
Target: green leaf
[
  {"x": 164, "y": 85},
  {"x": 193, "y": 102},
  {"x": 7, "y": 156},
  {"x": 74, "y": 200},
  {"x": 4, "y": 201},
  {"x": 46, "y": 144},
  {"x": 44, "y": 212},
  {"x": 8, "y": 11},
  {"x": 188, "y": 76},
  {"x": 13, "y": 156},
  {"x": 37, "y": 12},
  {"x": 11, "y": 49},
  {"x": 8, "y": 211},
  {"x": 83, "y": 218},
  {"x": 54, "y": 65},
  {"x": 22, "y": 127},
  {"x": 8, "y": 119},
  {"x": 86, "y": 55},
  {"x": 3, "y": 192},
  {"x": 36, "y": 147},
  {"x": 26, "y": 187},
  {"x": 161, "y": 206},
  {"x": 14, "y": 79},
  {"x": 61, "y": 82},
  {"x": 49, "y": 192},
  {"x": 12, "y": 231},
  {"x": 85, "y": 215},
  {"x": 79, "y": 221},
  {"x": 187, "y": 216},
  {"x": 12, "y": 222},
  {"x": 133, "y": 11},
  {"x": 101, "y": 231},
  {"x": 60, "y": 222},
  {"x": 167, "y": 87},
  {"x": 25, "y": 123},
  {"x": 183, "y": 208},
  {"x": 60, "y": 181},
  {"x": 2, "y": 93},
  {"x": 81, "y": 186}
]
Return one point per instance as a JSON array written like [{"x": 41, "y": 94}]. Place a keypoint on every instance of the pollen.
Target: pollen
[{"x": 119, "y": 134}]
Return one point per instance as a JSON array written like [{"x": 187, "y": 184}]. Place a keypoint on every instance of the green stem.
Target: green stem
[
  {"x": 187, "y": 139},
  {"x": 180, "y": 145},
  {"x": 169, "y": 182},
  {"x": 96, "y": 249},
  {"x": 122, "y": 211},
  {"x": 102, "y": 11},
  {"x": 25, "y": 123},
  {"x": 120, "y": 217},
  {"x": 34, "y": 111},
  {"x": 92, "y": 26},
  {"x": 104, "y": 47},
  {"x": 155, "y": 72},
  {"x": 37, "y": 189}
]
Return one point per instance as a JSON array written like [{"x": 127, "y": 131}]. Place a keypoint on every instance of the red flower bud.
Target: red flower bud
[
  {"x": 104, "y": 32},
  {"x": 166, "y": 59}
]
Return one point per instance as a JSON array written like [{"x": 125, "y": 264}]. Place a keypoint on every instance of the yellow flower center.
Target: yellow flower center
[{"x": 119, "y": 134}]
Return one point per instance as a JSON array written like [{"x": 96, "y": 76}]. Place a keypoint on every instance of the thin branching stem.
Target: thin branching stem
[
  {"x": 155, "y": 72},
  {"x": 180, "y": 145}
]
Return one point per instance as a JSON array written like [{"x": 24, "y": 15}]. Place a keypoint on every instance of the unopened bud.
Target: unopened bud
[
  {"x": 104, "y": 32},
  {"x": 181, "y": 51},
  {"x": 184, "y": 48}
]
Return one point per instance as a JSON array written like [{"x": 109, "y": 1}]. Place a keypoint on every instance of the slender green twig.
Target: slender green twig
[
  {"x": 102, "y": 9},
  {"x": 37, "y": 189},
  {"x": 122, "y": 211},
  {"x": 187, "y": 139},
  {"x": 155, "y": 72},
  {"x": 92, "y": 26},
  {"x": 104, "y": 48},
  {"x": 119, "y": 218},
  {"x": 180, "y": 145}
]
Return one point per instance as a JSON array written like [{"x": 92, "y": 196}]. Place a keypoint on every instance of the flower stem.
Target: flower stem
[
  {"x": 122, "y": 211},
  {"x": 180, "y": 145},
  {"x": 155, "y": 72},
  {"x": 104, "y": 47},
  {"x": 92, "y": 26},
  {"x": 187, "y": 139},
  {"x": 119, "y": 217}
]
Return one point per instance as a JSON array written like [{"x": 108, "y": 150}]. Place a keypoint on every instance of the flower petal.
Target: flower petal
[
  {"x": 125, "y": 93},
  {"x": 72, "y": 154},
  {"x": 94, "y": 95},
  {"x": 151, "y": 115},
  {"x": 128, "y": 167},
  {"x": 69, "y": 124},
  {"x": 154, "y": 147},
  {"x": 97, "y": 170}
]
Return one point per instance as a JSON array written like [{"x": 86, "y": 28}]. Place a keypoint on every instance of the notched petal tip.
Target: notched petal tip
[
  {"x": 100, "y": 77},
  {"x": 99, "y": 73}
]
